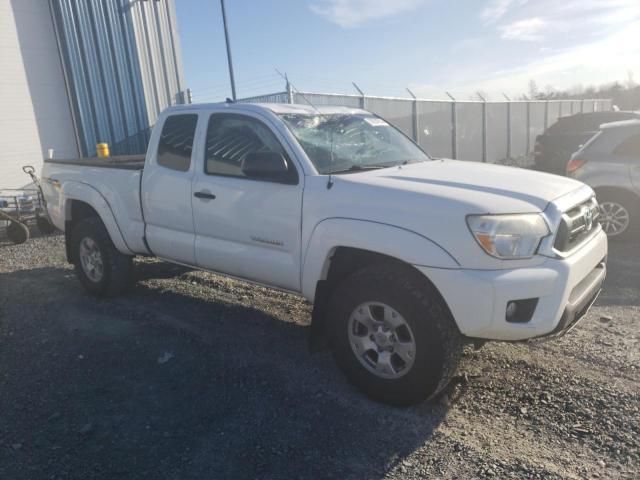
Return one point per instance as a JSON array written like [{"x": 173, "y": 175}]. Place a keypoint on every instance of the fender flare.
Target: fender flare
[
  {"x": 397, "y": 242},
  {"x": 83, "y": 192}
]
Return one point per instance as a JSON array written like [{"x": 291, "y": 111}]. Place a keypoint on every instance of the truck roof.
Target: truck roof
[{"x": 277, "y": 108}]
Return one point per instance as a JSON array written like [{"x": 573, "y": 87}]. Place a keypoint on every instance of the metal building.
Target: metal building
[{"x": 79, "y": 72}]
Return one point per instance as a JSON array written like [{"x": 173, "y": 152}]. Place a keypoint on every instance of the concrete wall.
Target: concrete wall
[{"x": 34, "y": 108}]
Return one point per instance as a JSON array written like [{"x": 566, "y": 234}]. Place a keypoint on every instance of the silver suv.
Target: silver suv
[{"x": 610, "y": 163}]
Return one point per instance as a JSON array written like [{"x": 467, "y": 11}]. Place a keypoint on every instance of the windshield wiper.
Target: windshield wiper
[{"x": 357, "y": 168}]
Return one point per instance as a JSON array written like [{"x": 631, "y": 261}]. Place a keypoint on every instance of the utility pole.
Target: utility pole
[{"x": 226, "y": 37}]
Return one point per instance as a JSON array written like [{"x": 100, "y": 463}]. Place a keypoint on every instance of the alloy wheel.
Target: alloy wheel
[
  {"x": 382, "y": 340},
  {"x": 91, "y": 259},
  {"x": 614, "y": 218}
]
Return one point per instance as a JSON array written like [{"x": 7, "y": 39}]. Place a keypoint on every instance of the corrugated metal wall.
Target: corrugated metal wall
[
  {"x": 155, "y": 28},
  {"x": 123, "y": 67}
]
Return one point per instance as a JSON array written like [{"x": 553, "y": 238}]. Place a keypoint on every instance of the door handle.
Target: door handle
[{"x": 205, "y": 195}]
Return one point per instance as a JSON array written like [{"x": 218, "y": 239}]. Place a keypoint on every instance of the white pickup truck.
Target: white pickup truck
[{"x": 405, "y": 258}]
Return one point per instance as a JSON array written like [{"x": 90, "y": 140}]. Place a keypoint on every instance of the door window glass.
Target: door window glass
[
  {"x": 230, "y": 138},
  {"x": 176, "y": 142}
]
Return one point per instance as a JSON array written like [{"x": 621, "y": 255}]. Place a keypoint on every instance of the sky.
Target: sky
[{"x": 428, "y": 46}]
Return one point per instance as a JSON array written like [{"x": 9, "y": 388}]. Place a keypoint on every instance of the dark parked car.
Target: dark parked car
[
  {"x": 554, "y": 147},
  {"x": 610, "y": 164}
]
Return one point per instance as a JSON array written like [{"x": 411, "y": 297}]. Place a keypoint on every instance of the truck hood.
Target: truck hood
[
  {"x": 433, "y": 199},
  {"x": 482, "y": 188}
]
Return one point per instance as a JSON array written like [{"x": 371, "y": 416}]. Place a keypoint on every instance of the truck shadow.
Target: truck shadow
[{"x": 166, "y": 383}]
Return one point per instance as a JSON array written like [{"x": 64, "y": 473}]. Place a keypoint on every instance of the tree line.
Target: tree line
[{"x": 625, "y": 95}]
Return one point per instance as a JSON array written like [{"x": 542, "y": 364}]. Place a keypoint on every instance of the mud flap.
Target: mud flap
[{"x": 318, "y": 336}]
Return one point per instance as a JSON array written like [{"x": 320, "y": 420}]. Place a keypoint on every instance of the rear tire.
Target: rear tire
[
  {"x": 619, "y": 214},
  {"x": 17, "y": 233},
  {"x": 100, "y": 267},
  {"x": 420, "y": 357}
]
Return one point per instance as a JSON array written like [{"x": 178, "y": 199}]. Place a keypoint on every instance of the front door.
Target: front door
[{"x": 247, "y": 227}]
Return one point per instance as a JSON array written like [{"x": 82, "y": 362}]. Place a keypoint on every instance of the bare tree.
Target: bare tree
[{"x": 533, "y": 89}]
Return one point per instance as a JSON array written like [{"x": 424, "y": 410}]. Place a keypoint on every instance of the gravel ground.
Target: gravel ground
[{"x": 191, "y": 375}]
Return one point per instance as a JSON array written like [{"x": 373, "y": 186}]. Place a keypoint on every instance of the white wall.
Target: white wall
[{"x": 34, "y": 108}]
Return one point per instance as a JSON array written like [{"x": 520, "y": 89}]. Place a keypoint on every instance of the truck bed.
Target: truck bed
[
  {"x": 111, "y": 183},
  {"x": 125, "y": 162}
]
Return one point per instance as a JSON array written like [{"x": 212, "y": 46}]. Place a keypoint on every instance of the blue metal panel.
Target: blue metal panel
[{"x": 105, "y": 60}]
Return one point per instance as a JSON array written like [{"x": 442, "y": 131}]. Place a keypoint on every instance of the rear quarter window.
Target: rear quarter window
[
  {"x": 629, "y": 147},
  {"x": 593, "y": 143}
]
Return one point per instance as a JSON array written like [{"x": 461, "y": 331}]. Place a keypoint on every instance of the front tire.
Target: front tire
[
  {"x": 101, "y": 268},
  {"x": 393, "y": 335}
]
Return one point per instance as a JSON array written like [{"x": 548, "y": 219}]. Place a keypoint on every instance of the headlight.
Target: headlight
[{"x": 508, "y": 236}]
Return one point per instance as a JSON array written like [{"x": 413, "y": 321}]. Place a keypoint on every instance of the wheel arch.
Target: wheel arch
[
  {"x": 615, "y": 191},
  {"x": 83, "y": 201},
  {"x": 363, "y": 244},
  {"x": 378, "y": 239}
]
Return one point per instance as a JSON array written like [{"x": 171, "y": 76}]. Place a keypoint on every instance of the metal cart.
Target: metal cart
[{"x": 20, "y": 207}]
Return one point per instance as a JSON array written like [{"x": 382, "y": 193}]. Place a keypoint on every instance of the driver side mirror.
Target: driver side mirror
[{"x": 269, "y": 166}]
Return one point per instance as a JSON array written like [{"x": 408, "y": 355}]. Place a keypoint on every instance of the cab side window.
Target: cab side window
[
  {"x": 231, "y": 137},
  {"x": 176, "y": 142}
]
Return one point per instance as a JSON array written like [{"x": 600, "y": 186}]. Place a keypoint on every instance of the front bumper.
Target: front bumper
[
  {"x": 565, "y": 289},
  {"x": 580, "y": 300}
]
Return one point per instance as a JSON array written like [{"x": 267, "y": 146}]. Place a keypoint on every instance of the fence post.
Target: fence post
[
  {"x": 546, "y": 114},
  {"x": 508, "y": 126},
  {"x": 484, "y": 127},
  {"x": 289, "y": 91},
  {"x": 528, "y": 126},
  {"x": 362, "y": 97},
  {"x": 454, "y": 129},
  {"x": 414, "y": 113}
]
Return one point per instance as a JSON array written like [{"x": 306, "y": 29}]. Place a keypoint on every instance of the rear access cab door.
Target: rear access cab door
[{"x": 166, "y": 188}]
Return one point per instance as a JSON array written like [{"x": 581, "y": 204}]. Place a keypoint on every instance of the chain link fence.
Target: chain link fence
[{"x": 494, "y": 132}]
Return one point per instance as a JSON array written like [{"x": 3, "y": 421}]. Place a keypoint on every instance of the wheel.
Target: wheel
[
  {"x": 619, "y": 214},
  {"x": 17, "y": 232},
  {"x": 45, "y": 227},
  {"x": 392, "y": 334},
  {"x": 100, "y": 267}
]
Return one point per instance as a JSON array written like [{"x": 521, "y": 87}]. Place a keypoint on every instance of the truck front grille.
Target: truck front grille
[{"x": 577, "y": 225}]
